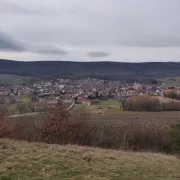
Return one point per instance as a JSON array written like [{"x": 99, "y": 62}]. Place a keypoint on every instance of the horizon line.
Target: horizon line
[{"x": 89, "y": 61}]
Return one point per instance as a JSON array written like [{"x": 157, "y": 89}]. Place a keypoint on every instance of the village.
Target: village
[{"x": 67, "y": 91}]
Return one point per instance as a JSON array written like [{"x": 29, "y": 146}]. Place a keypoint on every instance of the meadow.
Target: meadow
[
  {"x": 37, "y": 161},
  {"x": 106, "y": 104},
  {"x": 170, "y": 81},
  {"x": 13, "y": 79},
  {"x": 88, "y": 144}
]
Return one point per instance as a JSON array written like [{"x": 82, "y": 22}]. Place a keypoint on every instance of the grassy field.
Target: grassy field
[
  {"x": 35, "y": 161},
  {"x": 118, "y": 115},
  {"x": 113, "y": 117},
  {"x": 11, "y": 108},
  {"x": 107, "y": 104},
  {"x": 13, "y": 79},
  {"x": 170, "y": 81}
]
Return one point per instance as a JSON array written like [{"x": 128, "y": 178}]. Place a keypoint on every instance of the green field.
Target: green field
[
  {"x": 170, "y": 81},
  {"x": 12, "y": 108},
  {"x": 13, "y": 79},
  {"x": 36, "y": 161},
  {"x": 105, "y": 105}
]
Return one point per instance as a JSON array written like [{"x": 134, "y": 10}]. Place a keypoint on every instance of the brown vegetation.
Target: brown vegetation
[
  {"x": 79, "y": 127},
  {"x": 5, "y": 127},
  {"x": 142, "y": 103},
  {"x": 151, "y": 103}
]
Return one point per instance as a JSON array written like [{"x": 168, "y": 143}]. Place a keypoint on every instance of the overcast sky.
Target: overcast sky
[{"x": 90, "y": 30}]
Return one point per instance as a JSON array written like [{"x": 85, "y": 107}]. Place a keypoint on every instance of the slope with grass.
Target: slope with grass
[
  {"x": 170, "y": 81},
  {"x": 13, "y": 79},
  {"x": 36, "y": 161}
]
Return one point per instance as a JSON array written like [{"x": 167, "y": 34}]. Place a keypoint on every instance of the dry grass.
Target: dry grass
[
  {"x": 35, "y": 161},
  {"x": 138, "y": 131},
  {"x": 165, "y": 117},
  {"x": 166, "y": 100}
]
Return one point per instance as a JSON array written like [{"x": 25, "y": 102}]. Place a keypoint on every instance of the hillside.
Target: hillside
[
  {"x": 22, "y": 160},
  {"x": 13, "y": 79},
  {"x": 170, "y": 81},
  {"x": 106, "y": 70}
]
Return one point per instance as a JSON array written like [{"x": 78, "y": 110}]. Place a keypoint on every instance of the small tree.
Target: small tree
[
  {"x": 154, "y": 81},
  {"x": 60, "y": 103},
  {"x": 30, "y": 107},
  {"x": 22, "y": 108},
  {"x": 60, "y": 128},
  {"x": 12, "y": 99},
  {"x": 34, "y": 99},
  {"x": 2, "y": 99}
]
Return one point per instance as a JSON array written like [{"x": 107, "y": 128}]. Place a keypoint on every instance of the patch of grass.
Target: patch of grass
[
  {"x": 35, "y": 161},
  {"x": 25, "y": 99},
  {"x": 170, "y": 81},
  {"x": 107, "y": 104},
  {"x": 12, "y": 107}
]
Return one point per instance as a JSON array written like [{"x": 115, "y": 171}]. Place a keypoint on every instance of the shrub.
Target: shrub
[
  {"x": 136, "y": 137},
  {"x": 171, "y": 106},
  {"x": 22, "y": 108},
  {"x": 58, "y": 129},
  {"x": 5, "y": 127},
  {"x": 142, "y": 103},
  {"x": 79, "y": 127},
  {"x": 171, "y": 94},
  {"x": 95, "y": 102}
]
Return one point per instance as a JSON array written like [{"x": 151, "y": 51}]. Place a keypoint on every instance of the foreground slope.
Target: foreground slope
[{"x": 22, "y": 160}]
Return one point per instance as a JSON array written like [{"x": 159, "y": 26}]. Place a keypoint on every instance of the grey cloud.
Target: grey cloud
[
  {"x": 51, "y": 50},
  {"x": 12, "y": 8},
  {"x": 98, "y": 54},
  {"x": 147, "y": 41},
  {"x": 82, "y": 25},
  {"x": 7, "y": 43},
  {"x": 120, "y": 23}
]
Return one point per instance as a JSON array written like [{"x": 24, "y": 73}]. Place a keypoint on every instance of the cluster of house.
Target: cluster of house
[{"x": 81, "y": 91}]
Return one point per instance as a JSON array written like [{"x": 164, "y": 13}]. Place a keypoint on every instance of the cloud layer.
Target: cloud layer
[
  {"x": 98, "y": 54},
  {"x": 51, "y": 50},
  {"x": 119, "y": 30},
  {"x": 9, "y": 44}
]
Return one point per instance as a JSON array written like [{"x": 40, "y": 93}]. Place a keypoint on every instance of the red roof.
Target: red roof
[{"x": 83, "y": 99}]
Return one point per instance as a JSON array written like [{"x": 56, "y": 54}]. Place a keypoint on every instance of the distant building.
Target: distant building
[
  {"x": 3, "y": 91},
  {"x": 84, "y": 101},
  {"x": 137, "y": 86}
]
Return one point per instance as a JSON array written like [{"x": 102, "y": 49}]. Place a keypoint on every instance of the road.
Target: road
[
  {"x": 35, "y": 113},
  {"x": 24, "y": 114}
]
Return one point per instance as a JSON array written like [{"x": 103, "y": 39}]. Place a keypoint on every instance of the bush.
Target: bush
[
  {"x": 58, "y": 128},
  {"x": 142, "y": 103},
  {"x": 171, "y": 94},
  {"x": 149, "y": 103},
  {"x": 5, "y": 127},
  {"x": 171, "y": 106},
  {"x": 95, "y": 102},
  {"x": 22, "y": 108},
  {"x": 139, "y": 137},
  {"x": 78, "y": 127}
]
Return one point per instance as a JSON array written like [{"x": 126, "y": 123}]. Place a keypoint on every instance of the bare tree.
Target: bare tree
[
  {"x": 2, "y": 99},
  {"x": 22, "y": 108}
]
